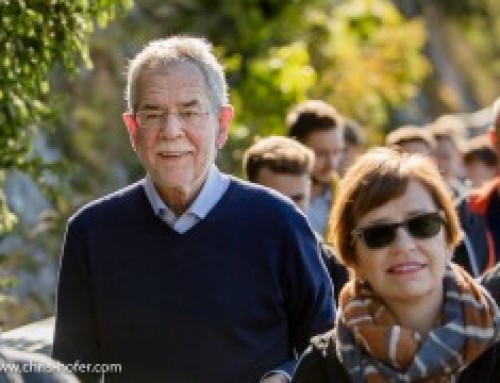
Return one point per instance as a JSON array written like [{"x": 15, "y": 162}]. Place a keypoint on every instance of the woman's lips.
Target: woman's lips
[{"x": 406, "y": 268}]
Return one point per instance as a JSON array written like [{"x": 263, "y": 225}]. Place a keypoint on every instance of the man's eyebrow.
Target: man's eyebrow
[
  {"x": 150, "y": 107},
  {"x": 190, "y": 103},
  {"x": 183, "y": 104}
]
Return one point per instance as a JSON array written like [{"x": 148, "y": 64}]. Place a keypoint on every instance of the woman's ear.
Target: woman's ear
[{"x": 131, "y": 124}]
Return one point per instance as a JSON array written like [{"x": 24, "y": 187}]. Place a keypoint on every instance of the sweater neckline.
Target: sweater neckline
[{"x": 212, "y": 214}]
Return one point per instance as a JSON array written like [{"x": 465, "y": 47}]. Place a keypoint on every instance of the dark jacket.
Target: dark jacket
[
  {"x": 479, "y": 204},
  {"x": 474, "y": 244},
  {"x": 319, "y": 364},
  {"x": 338, "y": 272}
]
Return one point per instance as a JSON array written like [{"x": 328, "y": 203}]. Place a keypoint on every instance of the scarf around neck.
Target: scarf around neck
[{"x": 375, "y": 349}]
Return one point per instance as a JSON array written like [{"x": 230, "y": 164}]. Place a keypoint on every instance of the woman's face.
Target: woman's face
[{"x": 407, "y": 268}]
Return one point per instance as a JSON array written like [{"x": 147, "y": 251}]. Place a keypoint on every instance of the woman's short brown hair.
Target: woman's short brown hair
[{"x": 378, "y": 176}]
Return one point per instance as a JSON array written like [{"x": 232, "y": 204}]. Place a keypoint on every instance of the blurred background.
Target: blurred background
[{"x": 62, "y": 74}]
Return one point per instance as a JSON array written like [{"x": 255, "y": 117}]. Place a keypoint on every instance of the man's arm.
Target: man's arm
[
  {"x": 307, "y": 292},
  {"x": 75, "y": 337},
  {"x": 308, "y": 288}
]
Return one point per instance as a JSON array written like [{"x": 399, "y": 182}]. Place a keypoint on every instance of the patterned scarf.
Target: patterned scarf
[{"x": 375, "y": 349}]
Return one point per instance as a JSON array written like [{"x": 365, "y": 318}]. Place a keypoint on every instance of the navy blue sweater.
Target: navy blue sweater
[{"x": 227, "y": 301}]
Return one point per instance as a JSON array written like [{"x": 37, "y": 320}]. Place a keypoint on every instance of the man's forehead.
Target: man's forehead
[
  {"x": 181, "y": 86},
  {"x": 326, "y": 136}
]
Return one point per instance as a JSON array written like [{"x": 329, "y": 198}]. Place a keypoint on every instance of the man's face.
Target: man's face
[
  {"x": 295, "y": 187},
  {"x": 177, "y": 153},
  {"x": 448, "y": 158},
  {"x": 327, "y": 146},
  {"x": 479, "y": 172}
]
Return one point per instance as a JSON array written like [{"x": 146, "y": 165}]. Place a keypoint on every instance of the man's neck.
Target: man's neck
[{"x": 177, "y": 200}]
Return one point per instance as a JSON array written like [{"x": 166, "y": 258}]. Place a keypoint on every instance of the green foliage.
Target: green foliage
[
  {"x": 477, "y": 51},
  {"x": 372, "y": 60},
  {"x": 36, "y": 35},
  {"x": 360, "y": 55}
]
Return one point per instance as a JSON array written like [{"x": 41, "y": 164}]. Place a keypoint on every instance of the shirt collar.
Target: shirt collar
[
  {"x": 212, "y": 190},
  {"x": 214, "y": 187}
]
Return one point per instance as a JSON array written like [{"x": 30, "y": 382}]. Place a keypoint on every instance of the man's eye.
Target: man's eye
[
  {"x": 153, "y": 116},
  {"x": 188, "y": 113}
]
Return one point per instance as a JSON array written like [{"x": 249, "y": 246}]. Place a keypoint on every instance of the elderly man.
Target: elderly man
[{"x": 189, "y": 275}]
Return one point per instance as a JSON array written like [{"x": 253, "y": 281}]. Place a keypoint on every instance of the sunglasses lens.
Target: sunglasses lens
[
  {"x": 379, "y": 236},
  {"x": 425, "y": 226},
  {"x": 422, "y": 226}
]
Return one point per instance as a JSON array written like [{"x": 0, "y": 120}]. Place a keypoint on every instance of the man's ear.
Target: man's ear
[
  {"x": 226, "y": 113},
  {"x": 131, "y": 124}
]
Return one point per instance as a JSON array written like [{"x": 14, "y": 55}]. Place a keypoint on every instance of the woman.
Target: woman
[{"x": 407, "y": 314}]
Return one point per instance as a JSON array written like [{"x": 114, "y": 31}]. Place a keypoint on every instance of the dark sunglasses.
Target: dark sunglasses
[{"x": 421, "y": 226}]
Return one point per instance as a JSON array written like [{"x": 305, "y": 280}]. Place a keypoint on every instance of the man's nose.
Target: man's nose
[{"x": 171, "y": 126}]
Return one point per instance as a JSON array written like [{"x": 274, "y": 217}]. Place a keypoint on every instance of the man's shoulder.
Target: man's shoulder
[
  {"x": 111, "y": 203},
  {"x": 257, "y": 199}
]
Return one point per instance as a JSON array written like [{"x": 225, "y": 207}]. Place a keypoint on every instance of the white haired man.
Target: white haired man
[{"x": 189, "y": 275}]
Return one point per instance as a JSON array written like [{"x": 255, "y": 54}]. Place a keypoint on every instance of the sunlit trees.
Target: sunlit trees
[{"x": 35, "y": 36}]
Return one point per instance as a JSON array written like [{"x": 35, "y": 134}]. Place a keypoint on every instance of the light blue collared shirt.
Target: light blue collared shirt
[
  {"x": 319, "y": 211},
  {"x": 211, "y": 192}
]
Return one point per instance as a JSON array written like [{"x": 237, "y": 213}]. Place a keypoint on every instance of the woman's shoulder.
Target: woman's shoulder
[{"x": 319, "y": 363}]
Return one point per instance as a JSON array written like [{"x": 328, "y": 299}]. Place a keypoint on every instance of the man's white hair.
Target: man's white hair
[{"x": 177, "y": 49}]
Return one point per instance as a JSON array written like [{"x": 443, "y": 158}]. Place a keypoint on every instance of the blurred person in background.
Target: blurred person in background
[
  {"x": 485, "y": 201},
  {"x": 408, "y": 313},
  {"x": 320, "y": 127},
  {"x": 412, "y": 139},
  {"x": 285, "y": 165},
  {"x": 450, "y": 135},
  {"x": 354, "y": 141},
  {"x": 480, "y": 161},
  {"x": 282, "y": 164}
]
